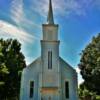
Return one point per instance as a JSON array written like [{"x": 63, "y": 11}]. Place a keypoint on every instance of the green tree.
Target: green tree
[
  {"x": 85, "y": 94},
  {"x": 12, "y": 61},
  {"x": 90, "y": 65}
]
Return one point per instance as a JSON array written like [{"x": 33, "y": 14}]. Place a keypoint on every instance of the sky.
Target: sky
[{"x": 79, "y": 21}]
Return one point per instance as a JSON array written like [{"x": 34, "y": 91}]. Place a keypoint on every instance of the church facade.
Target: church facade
[{"x": 49, "y": 77}]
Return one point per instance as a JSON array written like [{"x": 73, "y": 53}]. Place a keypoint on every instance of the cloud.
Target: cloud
[
  {"x": 68, "y": 7},
  {"x": 97, "y": 4},
  {"x": 17, "y": 10},
  {"x": 40, "y": 7},
  {"x": 77, "y": 70},
  {"x": 18, "y": 15},
  {"x": 80, "y": 80},
  {"x": 29, "y": 60},
  {"x": 13, "y": 31},
  {"x": 64, "y": 7}
]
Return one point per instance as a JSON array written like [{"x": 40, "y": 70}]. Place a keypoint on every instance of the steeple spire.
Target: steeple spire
[{"x": 50, "y": 19}]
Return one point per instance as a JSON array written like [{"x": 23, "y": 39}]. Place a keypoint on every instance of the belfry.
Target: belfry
[{"x": 49, "y": 77}]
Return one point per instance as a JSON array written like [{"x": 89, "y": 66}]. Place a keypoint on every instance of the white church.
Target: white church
[{"x": 49, "y": 77}]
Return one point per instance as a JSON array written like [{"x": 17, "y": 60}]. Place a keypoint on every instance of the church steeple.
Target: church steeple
[
  {"x": 50, "y": 29},
  {"x": 50, "y": 19}
]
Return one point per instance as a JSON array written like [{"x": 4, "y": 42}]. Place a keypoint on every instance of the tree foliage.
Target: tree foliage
[
  {"x": 90, "y": 65},
  {"x": 11, "y": 64},
  {"x": 85, "y": 94}
]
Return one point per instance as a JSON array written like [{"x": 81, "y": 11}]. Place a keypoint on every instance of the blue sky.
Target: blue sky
[{"x": 79, "y": 21}]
